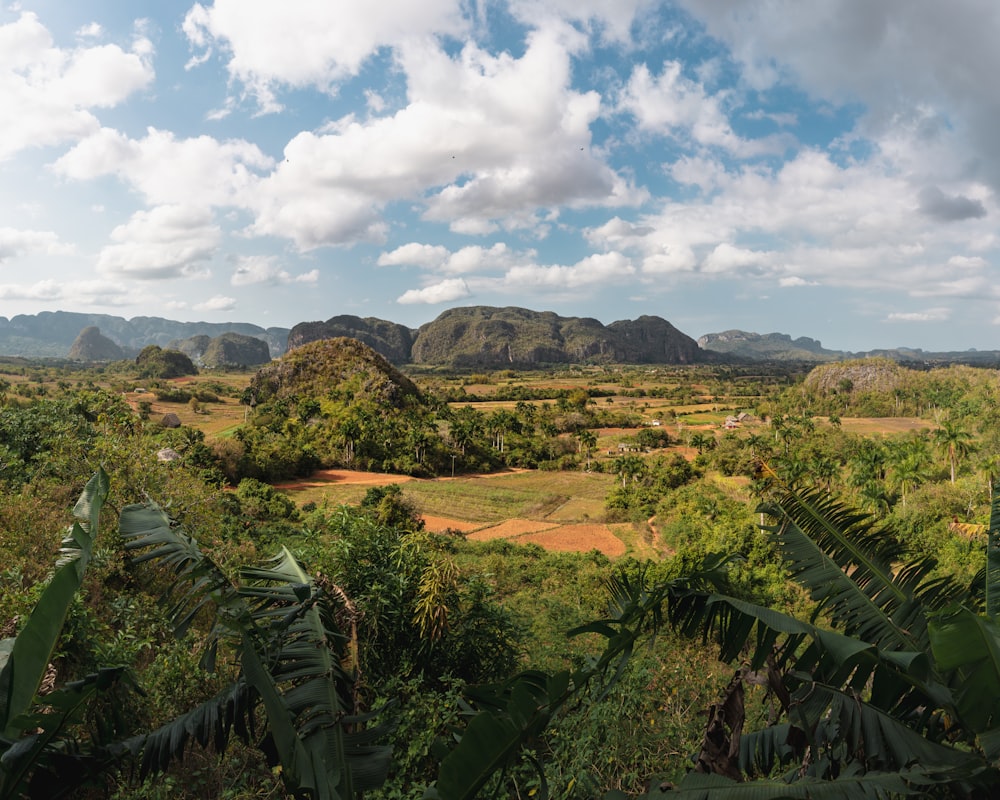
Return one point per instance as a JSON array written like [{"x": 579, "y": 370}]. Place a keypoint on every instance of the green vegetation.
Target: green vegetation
[{"x": 202, "y": 603}]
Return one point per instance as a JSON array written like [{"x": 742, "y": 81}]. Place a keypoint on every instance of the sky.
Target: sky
[{"x": 818, "y": 169}]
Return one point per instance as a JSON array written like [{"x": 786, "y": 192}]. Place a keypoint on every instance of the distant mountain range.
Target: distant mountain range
[
  {"x": 469, "y": 337},
  {"x": 51, "y": 334},
  {"x": 747, "y": 346}
]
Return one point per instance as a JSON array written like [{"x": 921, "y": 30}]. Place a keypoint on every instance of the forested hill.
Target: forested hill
[
  {"x": 488, "y": 337},
  {"x": 52, "y": 333},
  {"x": 782, "y": 347}
]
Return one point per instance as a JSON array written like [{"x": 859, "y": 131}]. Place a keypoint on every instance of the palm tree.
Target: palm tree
[
  {"x": 956, "y": 442},
  {"x": 588, "y": 441},
  {"x": 629, "y": 467},
  {"x": 909, "y": 464}
]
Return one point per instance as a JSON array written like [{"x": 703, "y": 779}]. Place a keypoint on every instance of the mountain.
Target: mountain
[
  {"x": 392, "y": 340},
  {"x": 92, "y": 345},
  {"x": 747, "y": 346},
  {"x": 228, "y": 350},
  {"x": 768, "y": 347},
  {"x": 488, "y": 337},
  {"x": 50, "y": 334},
  {"x": 341, "y": 369}
]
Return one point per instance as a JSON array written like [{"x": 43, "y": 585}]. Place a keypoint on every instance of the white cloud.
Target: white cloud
[
  {"x": 481, "y": 259},
  {"x": 482, "y": 138},
  {"x": 164, "y": 242},
  {"x": 613, "y": 20},
  {"x": 926, "y": 60},
  {"x": 167, "y": 170},
  {"x": 445, "y": 291},
  {"x": 415, "y": 254},
  {"x": 930, "y": 315},
  {"x": 302, "y": 43},
  {"x": 255, "y": 270},
  {"x": 598, "y": 269},
  {"x": 14, "y": 242},
  {"x": 217, "y": 303},
  {"x": 49, "y": 90},
  {"x": 88, "y": 293},
  {"x": 795, "y": 280}
]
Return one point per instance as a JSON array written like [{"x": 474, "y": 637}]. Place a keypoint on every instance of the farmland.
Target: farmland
[{"x": 508, "y": 501}]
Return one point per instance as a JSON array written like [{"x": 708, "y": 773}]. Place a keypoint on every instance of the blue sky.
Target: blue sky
[{"x": 826, "y": 170}]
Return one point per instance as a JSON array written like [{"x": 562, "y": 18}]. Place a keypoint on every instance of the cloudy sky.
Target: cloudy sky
[{"x": 819, "y": 169}]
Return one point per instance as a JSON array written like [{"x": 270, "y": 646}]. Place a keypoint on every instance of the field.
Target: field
[{"x": 556, "y": 510}]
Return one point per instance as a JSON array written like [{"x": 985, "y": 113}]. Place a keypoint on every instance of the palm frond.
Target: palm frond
[{"x": 848, "y": 563}]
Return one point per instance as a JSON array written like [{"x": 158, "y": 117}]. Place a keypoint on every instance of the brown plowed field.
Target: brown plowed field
[
  {"x": 511, "y": 529},
  {"x": 550, "y": 535},
  {"x": 578, "y": 538}
]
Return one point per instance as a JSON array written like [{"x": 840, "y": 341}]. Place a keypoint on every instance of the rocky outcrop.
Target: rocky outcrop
[
  {"x": 768, "y": 346},
  {"x": 235, "y": 350},
  {"x": 483, "y": 336},
  {"x": 392, "y": 340},
  {"x": 92, "y": 345}
]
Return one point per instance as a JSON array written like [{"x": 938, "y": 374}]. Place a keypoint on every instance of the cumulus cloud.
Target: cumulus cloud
[
  {"x": 930, "y": 315},
  {"x": 949, "y": 208},
  {"x": 88, "y": 293},
  {"x": 256, "y": 270},
  {"x": 164, "y": 242},
  {"x": 481, "y": 138},
  {"x": 14, "y": 242},
  {"x": 927, "y": 61},
  {"x": 601, "y": 268},
  {"x": 445, "y": 291},
  {"x": 217, "y": 303},
  {"x": 673, "y": 105},
  {"x": 415, "y": 254},
  {"x": 50, "y": 90},
  {"x": 300, "y": 43},
  {"x": 168, "y": 170}
]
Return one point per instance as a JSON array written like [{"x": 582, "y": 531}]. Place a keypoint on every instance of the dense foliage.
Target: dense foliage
[{"x": 416, "y": 621}]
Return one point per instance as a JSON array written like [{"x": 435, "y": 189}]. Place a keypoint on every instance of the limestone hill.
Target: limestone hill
[
  {"x": 92, "y": 345},
  {"x": 488, "y": 337},
  {"x": 341, "y": 370}
]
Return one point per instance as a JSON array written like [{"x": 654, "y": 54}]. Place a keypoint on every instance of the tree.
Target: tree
[
  {"x": 588, "y": 441},
  {"x": 900, "y": 697},
  {"x": 956, "y": 442},
  {"x": 295, "y": 672},
  {"x": 629, "y": 467}
]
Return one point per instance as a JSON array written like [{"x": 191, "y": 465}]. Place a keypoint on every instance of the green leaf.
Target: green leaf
[
  {"x": 970, "y": 644},
  {"x": 33, "y": 647},
  {"x": 993, "y": 558}
]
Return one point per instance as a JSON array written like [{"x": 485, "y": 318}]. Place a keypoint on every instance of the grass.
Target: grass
[{"x": 557, "y": 496}]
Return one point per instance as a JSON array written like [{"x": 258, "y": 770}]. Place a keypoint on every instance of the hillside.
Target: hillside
[
  {"x": 768, "y": 346},
  {"x": 228, "y": 350},
  {"x": 487, "y": 337},
  {"x": 92, "y": 345},
  {"x": 749, "y": 346},
  {"x": 341, "y": 369},
  {"x": 388, "y": 338},
  {"x": 51, "y": 334}
]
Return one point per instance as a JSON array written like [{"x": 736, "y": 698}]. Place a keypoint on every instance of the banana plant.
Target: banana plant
[
  {"x": 282, "y": 624},
  {"x": 41, "y": 753},
  {"x": 891, "y": 689},
  {"x": 295, "y": 665}
]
